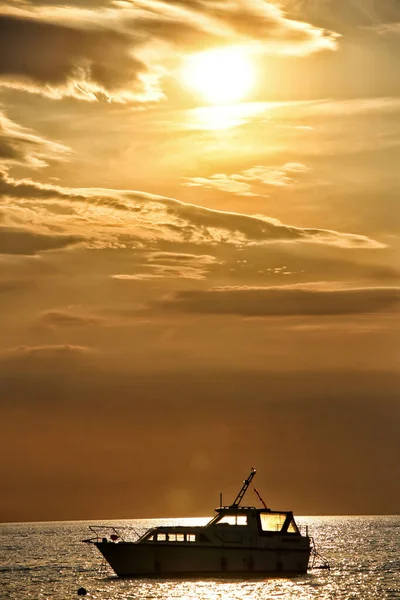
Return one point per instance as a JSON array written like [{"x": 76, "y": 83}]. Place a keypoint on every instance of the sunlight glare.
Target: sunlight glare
[
  {"x": 226, "y": 116},
  {"x": 220, "y": 76}
]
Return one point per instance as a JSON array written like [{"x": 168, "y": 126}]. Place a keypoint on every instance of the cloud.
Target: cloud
[
  {"x": 164, "y": 272},
  {"x": 67, "y": 405},
  {"x": 284, "y": 301},
  {"x": 26, "y": 188},
  {"x": 123, "y": 218},
  {"x": 238, "y": 183},
  {"x": 351, "y": 107},
  {"x": 180, "y": 257},
  {"x": 46, "y": 356},
  {"x": 171, "y": 265},
  {"x": 14, "y": 285},
  {"x": 19, "y": 241},
  {"x": 20, "y": 146},
  {"x": 220, "y": 181},
  {"x": 118, "y": 51},
  {"x": 59, "y": 318},
  {"x": 57, "y": 60},
  {"x": 385, "y": 28},
  {"x": 51, "y": 350},
  {"x": 204, "y": 225},
  {"x": 31, "y": 213},
  {"x": 347, "y": 13},
  {"x": 230, "y": 21}
]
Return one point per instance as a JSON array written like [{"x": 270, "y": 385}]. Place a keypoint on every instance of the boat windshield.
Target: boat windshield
[
  {"x": 229, "y": 519},
  {"x": 232, "y": 520},
  {"x": 276, "y": 521}
]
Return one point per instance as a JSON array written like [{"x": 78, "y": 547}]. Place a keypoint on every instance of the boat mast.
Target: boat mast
[{"x": 244, "y": 488}]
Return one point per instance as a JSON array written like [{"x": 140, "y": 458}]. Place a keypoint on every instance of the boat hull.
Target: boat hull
[{"x": 129, "y": 559}]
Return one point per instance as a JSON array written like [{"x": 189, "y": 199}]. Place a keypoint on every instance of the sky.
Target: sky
[{"x": 199, "y": 256}]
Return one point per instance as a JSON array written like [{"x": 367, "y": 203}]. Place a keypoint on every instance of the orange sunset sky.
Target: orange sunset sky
[{"x": 199, "y": 256}]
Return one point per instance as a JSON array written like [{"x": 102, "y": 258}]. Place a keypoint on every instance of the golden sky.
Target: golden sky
[{"x": 199, "y": 255}]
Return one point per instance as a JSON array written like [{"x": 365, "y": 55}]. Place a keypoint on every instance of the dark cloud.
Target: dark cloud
[
  {"x": 284, "y": 301},
  {"x": 26, "y": 188},
  {"x": 15, "y": 240},
  {"x": 15, "y": 285},
  {"x": 48, "y": 357},
  {"x": 46, "y": 360},
  {"x": 59, "y": 59},
  {"x": 59, "y": 318},
  {"x": 84, "y": 424}
]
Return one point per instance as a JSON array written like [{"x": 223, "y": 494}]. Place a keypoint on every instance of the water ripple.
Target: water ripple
[{"x": 47, "y": 561}]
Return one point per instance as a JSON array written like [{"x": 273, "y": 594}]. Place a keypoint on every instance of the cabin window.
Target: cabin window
[
  {"x": 190, "y": 537},
  {"x": 272, "y": 521},
  {"x": 233, "y": 520},
  {"x": 176, "y": 537},
  {"x": 161, "y": 537}
]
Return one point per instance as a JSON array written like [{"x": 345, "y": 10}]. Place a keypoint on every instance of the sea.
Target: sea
[{"x": 48, "y": 560}]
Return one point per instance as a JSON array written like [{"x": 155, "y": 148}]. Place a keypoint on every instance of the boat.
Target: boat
[{"x": 237, "y": 541}]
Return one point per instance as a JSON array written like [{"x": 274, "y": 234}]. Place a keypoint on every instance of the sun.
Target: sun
[{"x": 221, "y": 76}]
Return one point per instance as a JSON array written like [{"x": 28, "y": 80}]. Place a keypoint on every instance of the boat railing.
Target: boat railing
[
  {"x": 233, "y": 509},
  {"x": 113, "y": 533},
  {"x": 317, "y": 560}
]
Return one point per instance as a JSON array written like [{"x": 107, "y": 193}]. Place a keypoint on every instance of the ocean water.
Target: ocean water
[{"x": 48, "y": 560}]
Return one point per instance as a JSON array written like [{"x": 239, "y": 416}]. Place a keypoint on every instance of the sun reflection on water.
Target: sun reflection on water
[{"x": 47, "y": 560}]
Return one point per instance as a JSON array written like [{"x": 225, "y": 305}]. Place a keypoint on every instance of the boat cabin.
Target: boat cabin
[
  {"x": 230, "y": 524},
  {"x": 267, "y": 521}
]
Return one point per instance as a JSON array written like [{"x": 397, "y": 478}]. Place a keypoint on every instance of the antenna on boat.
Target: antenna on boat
[
  {"x": 244, "y": 489},
  {"x": 260, "y": 499}
]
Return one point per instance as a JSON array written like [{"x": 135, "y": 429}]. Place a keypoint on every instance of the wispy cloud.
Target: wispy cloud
[
  {"x": 171, "y": 265},
  {"x": 347, "y": 13},
  {"x": 34, "y": 356},
  {"x": 20, "y": 146},
  {"x": 163, "y": 272},
  {"x": 182, "y": 258},
  {"x": 385, "y": 28},
  {"x": 241, "y": 183},
  {"x": 284, "y": 300},
  {"x": 68, "y": 319}
]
